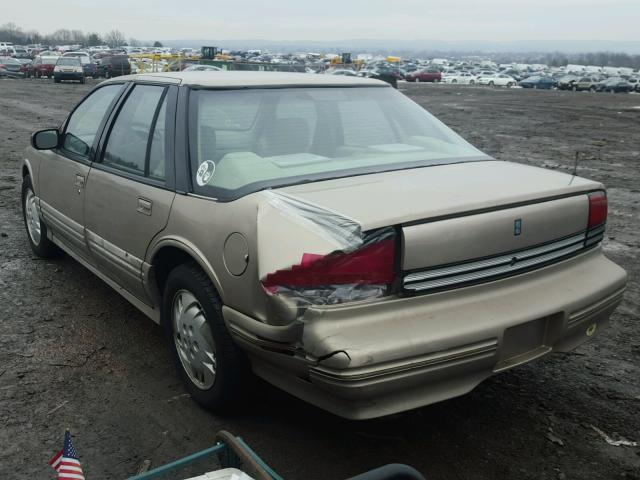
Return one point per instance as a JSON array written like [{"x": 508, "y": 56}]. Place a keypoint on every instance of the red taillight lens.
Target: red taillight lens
[
  {"x": 373, "y": 264},
  {"x": 597, "y": 209}
]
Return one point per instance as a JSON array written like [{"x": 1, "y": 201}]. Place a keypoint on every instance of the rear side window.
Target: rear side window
[
  {"x": 85, "y": 121},
  {"x": 136, "y": 141}
]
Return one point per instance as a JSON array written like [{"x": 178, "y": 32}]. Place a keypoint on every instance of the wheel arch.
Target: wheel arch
[
  {"x": 27, "y": 169},
  {"x": 167, "y": 254}
]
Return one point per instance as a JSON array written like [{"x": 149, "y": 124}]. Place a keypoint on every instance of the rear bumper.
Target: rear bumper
[{"x": 369, "y": 360}]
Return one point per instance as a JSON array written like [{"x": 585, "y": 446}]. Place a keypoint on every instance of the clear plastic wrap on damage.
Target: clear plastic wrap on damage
[{"x": 310, "y": 255}]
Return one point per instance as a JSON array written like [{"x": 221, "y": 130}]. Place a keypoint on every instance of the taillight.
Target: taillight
[
  {"x": 597, "y": 218},
  {"x": 597, "y": 209},
  {"x": 367, "y": 272}
]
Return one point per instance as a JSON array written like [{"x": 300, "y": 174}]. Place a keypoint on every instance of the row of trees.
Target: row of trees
[
  {"x": 10, "y": 32},
  {"x": 559, "y": 59},
  {"x": 553, "y": 59}
]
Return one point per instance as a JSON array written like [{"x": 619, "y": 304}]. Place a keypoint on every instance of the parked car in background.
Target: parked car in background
[
  {"x": 566, "y": 82},
  {"x": 513, "y": 73},
  {"x": 538, "y": 82},
  {"x": 43, "y": 66},
  {"x": 89, "y": 67},
  {"x": 586, "y": 84},
  {"x": 388, "y": 266},
  {"x": 464, "y": 78},
  {"x": 11, "y": 67},
  {"x": 343, "y": 71},
  {"x": 424, "y": 75},
  {"x": 20, "y": 52},
  {"x": 113, "y": 66},
  {"x": 202, "y": 68},
  {"x": 68, "y": 68},
  {"x": 497, "y": 80},
  {"x": 614, "y": 85}
]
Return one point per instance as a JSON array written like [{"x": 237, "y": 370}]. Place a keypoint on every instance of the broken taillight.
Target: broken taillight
[{"x": 367, "y": 272}]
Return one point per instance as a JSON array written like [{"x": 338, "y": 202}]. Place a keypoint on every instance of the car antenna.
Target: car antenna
[{"x": 575, "y": 163}]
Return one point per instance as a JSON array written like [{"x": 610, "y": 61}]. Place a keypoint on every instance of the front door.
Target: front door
[
  {"x": 129, "y": 190},
  {"x": 64, "y": 171}
]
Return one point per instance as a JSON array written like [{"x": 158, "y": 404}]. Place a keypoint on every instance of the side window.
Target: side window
[
  {"x": 83, "y": 124},
  {"x": 139, "y": 128}
]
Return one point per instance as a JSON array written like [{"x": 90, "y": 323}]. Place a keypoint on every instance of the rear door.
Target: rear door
[
  {"x": 63, "y": 173},
  {"x": 131, "y": 186}
]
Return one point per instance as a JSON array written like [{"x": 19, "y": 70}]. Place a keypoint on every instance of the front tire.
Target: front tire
[
  {"x": 36, "y": 228},
  {"x": 214, "y": 370}
]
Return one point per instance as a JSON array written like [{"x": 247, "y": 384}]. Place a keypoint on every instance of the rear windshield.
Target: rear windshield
[
  {"x": 242, "y": 141},
  {"x": 69, "y": 61},
  {"x": 117, "y": 60}
]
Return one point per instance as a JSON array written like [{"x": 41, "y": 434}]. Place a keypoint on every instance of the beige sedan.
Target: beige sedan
[{"x": 323, "y": 232}]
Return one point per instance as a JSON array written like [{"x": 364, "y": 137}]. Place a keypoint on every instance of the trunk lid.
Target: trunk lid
[
  {"x": 400, "y": 197},
  {"x": 458, "y": 213}
]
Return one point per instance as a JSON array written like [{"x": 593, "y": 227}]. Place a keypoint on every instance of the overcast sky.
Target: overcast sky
[{"x": 448, "y": 20}]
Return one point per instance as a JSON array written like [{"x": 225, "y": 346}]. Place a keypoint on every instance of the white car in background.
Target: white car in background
[
  {"x": 498, "y": 80},
  {"x": 464, "y": 78}
]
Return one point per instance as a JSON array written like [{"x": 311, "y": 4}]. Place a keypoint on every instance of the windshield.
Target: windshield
[{"x": 246, "y": 140}]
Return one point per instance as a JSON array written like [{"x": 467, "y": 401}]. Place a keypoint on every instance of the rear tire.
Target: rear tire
[
  {"x": 214, "y": 370},
  {"x": 36, "y": 228}
]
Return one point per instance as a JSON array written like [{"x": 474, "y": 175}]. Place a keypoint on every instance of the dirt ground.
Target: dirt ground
[{"x": 74, "y": 354}]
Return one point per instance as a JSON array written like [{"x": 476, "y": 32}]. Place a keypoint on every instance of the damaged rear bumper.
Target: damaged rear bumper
[{"x": 372, "y": 359}]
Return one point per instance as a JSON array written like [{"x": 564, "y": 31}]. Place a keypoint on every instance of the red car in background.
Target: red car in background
[
  {"x": 425, "y": 75},
  {"x": 42, "y": 67}
]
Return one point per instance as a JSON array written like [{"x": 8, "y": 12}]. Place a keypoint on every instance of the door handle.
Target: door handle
[
  {"x": 79, "y": 183},
  {"x": 144, "y": 206}
]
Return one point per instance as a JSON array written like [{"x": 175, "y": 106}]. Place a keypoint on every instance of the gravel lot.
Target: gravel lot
[{"x": 74, "y": 354}]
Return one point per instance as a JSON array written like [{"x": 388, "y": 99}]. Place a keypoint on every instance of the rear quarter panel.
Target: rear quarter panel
[{"x": 201, "y": 227}]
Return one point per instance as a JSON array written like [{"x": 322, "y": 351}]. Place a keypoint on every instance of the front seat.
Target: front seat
[{"x": 284, "y": 136}]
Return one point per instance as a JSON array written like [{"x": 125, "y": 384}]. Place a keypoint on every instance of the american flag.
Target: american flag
[{"x": 66, "y": 461}]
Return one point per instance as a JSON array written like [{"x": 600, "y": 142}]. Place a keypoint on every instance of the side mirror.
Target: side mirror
[{"x": 46, "y": 139}]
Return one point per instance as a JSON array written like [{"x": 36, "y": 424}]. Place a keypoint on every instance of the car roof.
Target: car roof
[{"x": 235, "y": 79}]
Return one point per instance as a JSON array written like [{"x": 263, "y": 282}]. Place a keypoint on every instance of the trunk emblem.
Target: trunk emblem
[{"x": 517, "y": 227}]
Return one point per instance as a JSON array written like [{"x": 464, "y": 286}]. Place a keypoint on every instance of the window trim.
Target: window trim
[
  {"x": 170, "y": 94},
  {"x": 94, "y": 147}
]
